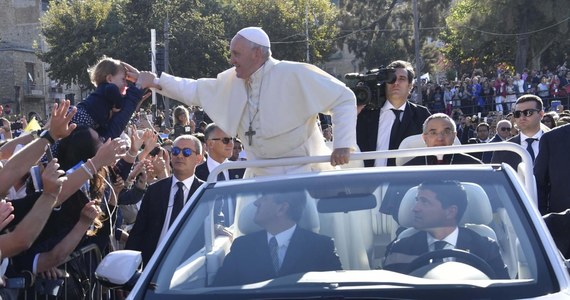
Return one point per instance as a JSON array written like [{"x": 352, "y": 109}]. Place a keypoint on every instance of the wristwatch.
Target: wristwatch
[{"x": 45, "y": 134}]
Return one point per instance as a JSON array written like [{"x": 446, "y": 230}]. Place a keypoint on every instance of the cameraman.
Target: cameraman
[{"x": 378, "y": 128}]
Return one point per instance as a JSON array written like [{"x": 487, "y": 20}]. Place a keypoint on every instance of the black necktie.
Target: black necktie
[
  {"x": 273, "y": 247},
  {"x": 394, "y": 143},
  {"x": 221, "y": 176},
  {"x": 439, "y": 245},
  {"x": 395, "y": 129},
  {"x": 529, "y": 147},
  {"x": 178, "y": 201}
]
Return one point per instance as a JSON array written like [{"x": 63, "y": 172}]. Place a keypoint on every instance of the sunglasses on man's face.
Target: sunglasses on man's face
[
  {"x": 527, "y": 113},
  {"x": 225, "y": 140},
  {"x": 186, "y": 151},
  {"x": 505, "y": 128}
]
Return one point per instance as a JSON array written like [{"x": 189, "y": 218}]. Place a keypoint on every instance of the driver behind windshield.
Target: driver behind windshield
[
  {"x": 282, "y": 248},
  {"x": 439, "y": 207}
]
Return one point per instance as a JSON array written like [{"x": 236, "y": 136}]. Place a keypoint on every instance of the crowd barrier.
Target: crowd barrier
[{"x": 79, "y": 282}]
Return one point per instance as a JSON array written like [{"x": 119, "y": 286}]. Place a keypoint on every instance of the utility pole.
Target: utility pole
[
  {"x": 419, "y": 63},
  {"x": 153, "y": 59},
  {"x": 166, "y": 65},
  {"x": 307, "y": 29}
]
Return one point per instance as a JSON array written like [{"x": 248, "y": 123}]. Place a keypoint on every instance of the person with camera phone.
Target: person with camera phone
[{"x": 386, "y": 116}]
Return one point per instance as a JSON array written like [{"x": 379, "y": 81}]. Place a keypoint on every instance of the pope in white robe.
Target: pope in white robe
[{"x": 271, "y": 105}]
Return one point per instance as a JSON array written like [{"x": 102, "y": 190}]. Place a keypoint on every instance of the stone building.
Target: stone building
[{"x": 24, "y": 84}]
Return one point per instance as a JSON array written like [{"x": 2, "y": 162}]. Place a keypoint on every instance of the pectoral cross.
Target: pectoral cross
[{"x": 250, "y": 133}]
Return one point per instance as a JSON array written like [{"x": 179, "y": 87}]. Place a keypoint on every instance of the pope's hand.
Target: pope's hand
[
  {"x": 340, "y": 156},
  {"x": 146, "y": 80}
]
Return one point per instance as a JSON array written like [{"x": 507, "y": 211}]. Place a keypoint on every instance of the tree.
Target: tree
[
  {"x": 286, "y": 22},
  {"x": 483, "y": 33},
  {"x": 197, "y": 32},
  {"x": 78, "y": 33},
  {"x": 381, "y": 31}
]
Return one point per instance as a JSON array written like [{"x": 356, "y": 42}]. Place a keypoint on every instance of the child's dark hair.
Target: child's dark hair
[{"x": 104, "y": 66}]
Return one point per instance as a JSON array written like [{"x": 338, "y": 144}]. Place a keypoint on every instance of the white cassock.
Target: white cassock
[{"x": 280, "y": 103}]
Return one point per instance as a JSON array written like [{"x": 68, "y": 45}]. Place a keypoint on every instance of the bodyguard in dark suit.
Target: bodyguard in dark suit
[
  {"x": 163, "y": 201},
  {"x": 528, "y": 113},
  {"x": 220, "y": 147},
  {"x": 438, "y": 209},
  {"x": 282, "y": 248},
  {"x": 552, "y": 170},
  {"x": 379, "y": 129}
]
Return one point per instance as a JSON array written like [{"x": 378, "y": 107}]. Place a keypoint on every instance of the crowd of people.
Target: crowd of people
[
  {"x": 119, "y": 175},
  {"x": 477, "y": 93}
]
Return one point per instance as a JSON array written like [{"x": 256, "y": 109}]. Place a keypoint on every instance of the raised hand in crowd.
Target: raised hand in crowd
[
  {"x": 150, "y": 141},
  {"x": 58, "y": 125},
  {"x": 149, "y": 171},
  {"x": 6, "y": 215},
  {"x": 161, "y": 163},
  {"x": 26, "y": 232},
  {"x": 19, "y": 164},
  {"x": 137, "y": 169},
  {"x": 137, "y": 140},
  {"x": 106, "y": 155}
]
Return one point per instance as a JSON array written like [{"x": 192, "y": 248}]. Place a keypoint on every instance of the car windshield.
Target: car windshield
[{"x": 223, "y": 245}]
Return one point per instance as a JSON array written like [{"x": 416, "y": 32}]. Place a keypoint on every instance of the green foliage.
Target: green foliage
[
  {"x": 484, "y": 33},
  {"x": 284, "y": 22},
  {"x": 78, "y": 33},
  {"x": 380, "y": 31},
  {"x": 197, "y": 32}
]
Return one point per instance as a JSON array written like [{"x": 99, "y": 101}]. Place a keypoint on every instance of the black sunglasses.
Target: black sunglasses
[
  {"x": 527, "y": 112},
  {"x": 225, "y": 140},
  {"x": 186, "y": 151},
  {"x": 505, "y": 128}
]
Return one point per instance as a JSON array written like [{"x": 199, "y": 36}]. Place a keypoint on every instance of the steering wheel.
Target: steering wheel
[{"x": 462, "y": 255}]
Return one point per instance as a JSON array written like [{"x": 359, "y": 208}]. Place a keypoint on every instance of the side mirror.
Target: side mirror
[{"x": 119, "y": 269}]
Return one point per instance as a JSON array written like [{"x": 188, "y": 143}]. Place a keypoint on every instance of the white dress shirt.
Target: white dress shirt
[
  {"x": 535, "y": 147},
  {"x": 212, "y": 164},
  {"x": 283, "y": 238},
  {"x": 451, "y": 240},
  {"x": 385, "y": 123}
]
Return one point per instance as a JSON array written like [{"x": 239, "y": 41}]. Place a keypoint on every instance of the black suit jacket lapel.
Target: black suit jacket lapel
[
  {"x": 463, "y": 241},
  {"x": 262, "y": 264},
  {"x": 516, "y": 139},
  {"x": 195, "y": 185},
  {"x": 293, "y": 254},
  {"x": 202, "y": 171},
  {"x": 406, "y": 121},
  {"x": 163, "y": 193}
]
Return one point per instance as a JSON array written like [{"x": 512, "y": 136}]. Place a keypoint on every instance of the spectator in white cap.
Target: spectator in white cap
[{"x": 271, "y": 105}]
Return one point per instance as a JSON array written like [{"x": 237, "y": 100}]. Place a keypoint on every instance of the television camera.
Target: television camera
[{"x": 370, "y": 86}]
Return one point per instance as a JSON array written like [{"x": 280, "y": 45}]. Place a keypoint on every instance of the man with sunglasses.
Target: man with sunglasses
[
  {"x": 503, "y": 131},
  {"x": 165, "y": 198},
  {"x": 220, "y": 147},
  {"x": 528, "y": 113}
]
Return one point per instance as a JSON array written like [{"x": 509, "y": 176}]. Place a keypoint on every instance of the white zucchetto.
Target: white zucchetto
[{"x": 256, "y": 35}]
